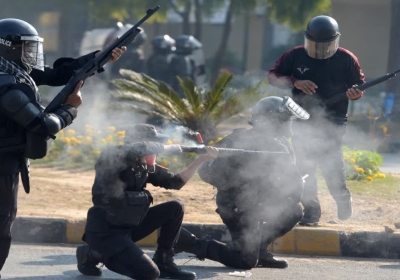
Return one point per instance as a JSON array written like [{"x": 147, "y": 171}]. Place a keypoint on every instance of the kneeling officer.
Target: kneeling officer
[{"x": 121, "y": 215}]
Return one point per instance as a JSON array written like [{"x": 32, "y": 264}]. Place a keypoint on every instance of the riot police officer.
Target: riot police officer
[
  {"x": 158, "y": 62},
  {"x": 258, "y": 194},
  {"x": 134, "y": 58},
  {"x": 182, "y": 64},
  {"x": 317, "y": 71},
  {"x": 121, "y": 216},
  {"x": 24, "y": 128}
]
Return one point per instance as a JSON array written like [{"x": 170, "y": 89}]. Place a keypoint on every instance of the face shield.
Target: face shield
[
  {"x": 293, "y": 109},
  {"x": 32, "y": 52},
  {"x": 321, "y": 50}
]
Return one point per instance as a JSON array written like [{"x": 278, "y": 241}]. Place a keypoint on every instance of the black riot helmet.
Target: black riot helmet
[
  {"x": 186, "y": 44},
  {"x": 121, "y": 29},
  {"x": 20, "y": 43},
  {"x": 163, "y": 44},
  {"x": 321, "y": 38},
  {"x": 276, "y": 111}
]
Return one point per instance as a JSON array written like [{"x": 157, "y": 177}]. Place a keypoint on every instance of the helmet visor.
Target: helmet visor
[
  {"x": 294, "y": 109},
  {"x": 32, "y": 52},
  {"x": 321, "y": 50}
]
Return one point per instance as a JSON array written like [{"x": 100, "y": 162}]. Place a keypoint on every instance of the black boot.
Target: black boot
[
  {"x": 266, "y": 259},
  {"x": 88, "y": 260},
  {"x": 164, "y": 259}
]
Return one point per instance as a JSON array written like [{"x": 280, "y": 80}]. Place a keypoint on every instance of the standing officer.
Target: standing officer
[
  {"x": 121, "y": 216},
  {"x": 158, "y": 62},
  {"x": 316, "y": 71},
  {"x": 182, "y": 64},
  {"x": 258, "y": 195},
  {"x": 24, "y": 129}
]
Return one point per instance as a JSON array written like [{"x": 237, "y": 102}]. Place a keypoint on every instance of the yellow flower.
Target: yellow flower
[
  {"x": 74, "y": 141},
  {"x": 121, "y": 143},
  {"x": 169, "y": 142},
  {"x": 71, "y": 132},
  {"x": 211, "y": 142},
  {"x": 353, "y": 160},
  {"x": 87, "y": 140},
  {"x": 120, "y": 134},
  {"x": 65, "y": 140},
  {"x": 103, "y": 141},
  {"x": 345, "y": 156},
  {"x": 96, "y": 152},
  {"x": 369, "y": 178},
  {"x": 111, "y": 128},
  {"x": 60, "y": 133},
  {"x": 219, "y": 139},
  {"x": 74, "y": 152},
  {"x": 110, "y": 138},
  {"x": 174, "y": 159},
  {"x": 164, "y": 163},
  {"x": 380, "y": 175},
  {"x": 80, "y": 137},
  {"x": 360, "y": 170}
]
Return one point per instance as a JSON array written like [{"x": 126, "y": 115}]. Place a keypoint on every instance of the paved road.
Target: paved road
[
  {"x": 391, "y": 163},
  {"x": 38, "y": 262}
]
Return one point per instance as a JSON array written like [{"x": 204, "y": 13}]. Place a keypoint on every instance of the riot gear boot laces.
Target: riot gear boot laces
[
  {"x": 266, "y": 259},
  {"x": 164, "y": 259},
  {"x": 88, "y": 260}
]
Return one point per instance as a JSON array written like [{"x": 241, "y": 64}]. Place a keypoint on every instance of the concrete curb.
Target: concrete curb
[{"x": 301, "y": 240}]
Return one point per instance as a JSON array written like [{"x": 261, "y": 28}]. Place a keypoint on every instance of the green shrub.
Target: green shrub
[{"x": 362, "y": 164}]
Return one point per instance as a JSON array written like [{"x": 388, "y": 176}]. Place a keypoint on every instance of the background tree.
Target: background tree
[
  {"x": 295, "y": 13},
  {"x": 393, "y": 85}
]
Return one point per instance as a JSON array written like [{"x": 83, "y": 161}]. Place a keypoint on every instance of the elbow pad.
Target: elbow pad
[{"x": 66, "y": 113}]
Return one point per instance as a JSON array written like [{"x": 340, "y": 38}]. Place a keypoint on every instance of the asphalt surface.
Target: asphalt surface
[{"x": 51, "y": 262}]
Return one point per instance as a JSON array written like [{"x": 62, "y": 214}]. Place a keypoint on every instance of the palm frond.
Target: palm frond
[
  {"x": 216, "y": 94},
  {"x": 192, "y": 95}
]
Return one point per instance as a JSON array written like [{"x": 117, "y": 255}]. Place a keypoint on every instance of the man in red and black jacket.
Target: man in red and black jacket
[{"x": 316, "y": 72}]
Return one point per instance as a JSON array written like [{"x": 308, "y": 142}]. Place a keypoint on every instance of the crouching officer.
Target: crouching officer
[
  {"x": 24, "y": 128},
  {"x": 121, "y": 216},
  {"x": 258, "y": 195}
]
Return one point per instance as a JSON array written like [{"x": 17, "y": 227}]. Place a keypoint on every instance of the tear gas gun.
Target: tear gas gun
[
  {"x": 97, "y": 63},
  {"x": 363, "y": 86},
  {"x": 196, "y": 136},
  {"x": 228, "y": 151}
]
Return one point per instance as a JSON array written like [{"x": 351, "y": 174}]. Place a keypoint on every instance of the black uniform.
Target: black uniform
[
  {"x": 258, "y": 198},
  {"x": 158, "y": 67},
  {"x": 19, "y": 114},
  {"x": 183, "y": 66},
  {"x": 319, "y": 140},
  {"x": 115, "y": 174}
]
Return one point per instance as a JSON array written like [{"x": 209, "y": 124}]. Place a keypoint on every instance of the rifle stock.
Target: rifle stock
[{"x": 97, "y": 63}]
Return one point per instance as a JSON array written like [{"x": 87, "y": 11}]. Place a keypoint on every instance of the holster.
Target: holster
[
  {"x": 130, "y": 209},
  {"x": 25, "y": 174}
]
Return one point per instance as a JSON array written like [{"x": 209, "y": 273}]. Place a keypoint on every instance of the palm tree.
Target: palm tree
[{"x": 200, "y": 110}]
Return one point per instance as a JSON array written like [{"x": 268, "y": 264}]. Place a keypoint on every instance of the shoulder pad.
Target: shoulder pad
[
  {"x": 6, "y": 79},
  {"x": 27, "y": 90}
]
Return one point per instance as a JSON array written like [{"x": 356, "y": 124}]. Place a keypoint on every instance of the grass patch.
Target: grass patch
[{"x": 388, "y": 188}]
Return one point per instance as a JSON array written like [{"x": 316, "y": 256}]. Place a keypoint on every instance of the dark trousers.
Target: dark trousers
[
  {"x": 320, "y": 145},
  {"x": 251, "y": 233},
  {"x": 8, "y": 212},
  {"x": 132, "y": 261}
]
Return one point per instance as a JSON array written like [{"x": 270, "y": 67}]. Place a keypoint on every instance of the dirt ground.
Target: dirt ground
[{"x": 66, "y": 194}]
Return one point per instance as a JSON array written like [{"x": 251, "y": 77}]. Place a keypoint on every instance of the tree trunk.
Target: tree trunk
[
  {"x": 393, "y": 85},
  {"x": 198, "y": 29},
  {"x": 246, "y": 41},
  {"x": 224, "y": 43},
  {"x": 186, "y": 18},
  {"x": 267, "y": 43}
]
